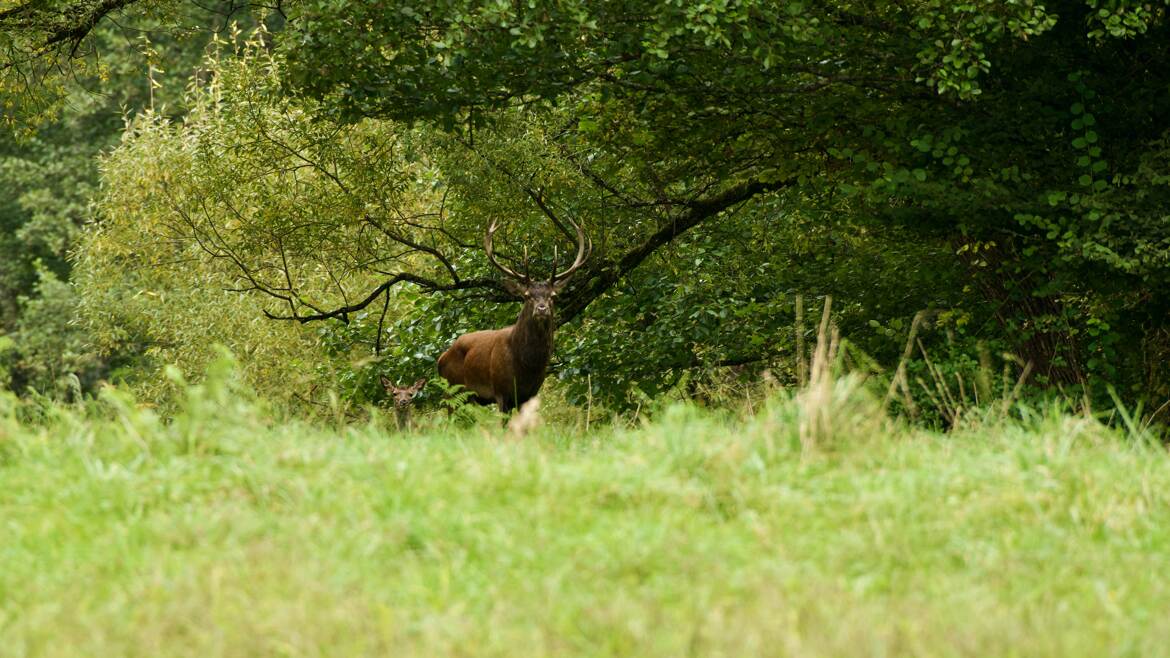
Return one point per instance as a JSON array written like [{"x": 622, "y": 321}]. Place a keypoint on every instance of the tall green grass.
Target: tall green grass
[{"x": 813, "y": 527}]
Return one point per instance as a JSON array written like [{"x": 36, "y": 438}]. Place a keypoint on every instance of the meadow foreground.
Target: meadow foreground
[{"x": 223, "y": 533}]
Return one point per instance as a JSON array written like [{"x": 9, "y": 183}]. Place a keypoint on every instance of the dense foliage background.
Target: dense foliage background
[{"x": 310, "y": 188}]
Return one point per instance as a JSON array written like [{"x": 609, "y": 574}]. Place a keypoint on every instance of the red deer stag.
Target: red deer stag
[
  {"x": 506, "y": 366},
  {"x": 403, "y": 397}
]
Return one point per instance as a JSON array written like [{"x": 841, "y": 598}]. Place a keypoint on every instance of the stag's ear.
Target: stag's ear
[
  {"x": 515, "y": 287},
  {"x": 418, "y": 385},
  {"x": 386, "y": 383}
]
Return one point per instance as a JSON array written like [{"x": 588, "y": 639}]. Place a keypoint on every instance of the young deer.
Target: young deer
[
  {"x": 403, "y": 397},
  {"x": 506, "y": 367}
]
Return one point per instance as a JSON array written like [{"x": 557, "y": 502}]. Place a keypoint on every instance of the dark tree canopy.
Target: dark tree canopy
[
  {"x": 1030, "y": 137},
  {"x": 1010, "y": 159}
]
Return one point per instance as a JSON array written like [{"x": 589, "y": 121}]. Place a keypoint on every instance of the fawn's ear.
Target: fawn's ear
[
  {"x": 386, "y": 383},
  {"x": 418, "y": 385}
]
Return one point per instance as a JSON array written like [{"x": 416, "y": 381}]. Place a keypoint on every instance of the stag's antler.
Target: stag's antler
[
  {"x": 487, "y": 247},
  {"x": 584, "y": 248}
]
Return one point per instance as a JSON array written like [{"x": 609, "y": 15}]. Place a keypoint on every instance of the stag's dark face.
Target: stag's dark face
[
  {"x": 537, "y": 296},
  {"x": 541, "y": 296}
]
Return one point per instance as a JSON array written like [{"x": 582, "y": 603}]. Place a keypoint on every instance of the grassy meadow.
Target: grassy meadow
[{"x": 813, "y": 527}]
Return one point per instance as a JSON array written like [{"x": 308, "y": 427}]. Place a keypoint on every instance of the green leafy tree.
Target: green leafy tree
[
  {"x": 150, "y": 286},
  {"x": 377, "y": 225},
  {"x": 49, "y": 351},
  {"x": 1030, "y": 138},
  {"x": 1026, "y": 140},
  {"x": 49, "y": 166}
]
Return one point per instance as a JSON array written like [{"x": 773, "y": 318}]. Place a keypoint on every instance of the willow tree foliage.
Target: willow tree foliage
[{"x": 49, "y": 173}]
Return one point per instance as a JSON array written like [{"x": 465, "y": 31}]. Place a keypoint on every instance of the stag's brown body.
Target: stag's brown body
[{"x": 507, "y": 367}]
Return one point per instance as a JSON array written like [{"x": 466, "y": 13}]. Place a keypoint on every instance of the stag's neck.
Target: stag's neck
[{"x": 532, "y": 340}]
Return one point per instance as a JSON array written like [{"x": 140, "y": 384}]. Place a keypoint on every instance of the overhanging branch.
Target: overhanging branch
[
  {"x": 591, "y": 283},
  {"x": 595, "y": 280},
  {"x": 428, "y": 285},
  {"x": 66, "y": 26}
]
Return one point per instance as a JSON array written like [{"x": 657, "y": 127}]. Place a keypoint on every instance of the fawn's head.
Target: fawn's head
[{"x": 402, "y": 395}]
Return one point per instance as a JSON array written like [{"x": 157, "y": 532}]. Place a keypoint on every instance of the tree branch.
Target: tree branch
[
  {"x": 595, "y": 280},
  {"x": 67, "y": 26},
  {"x": 428, "y": 285}
]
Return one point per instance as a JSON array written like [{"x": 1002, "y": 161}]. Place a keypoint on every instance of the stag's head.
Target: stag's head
[{"x": 538, "y": 296}]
